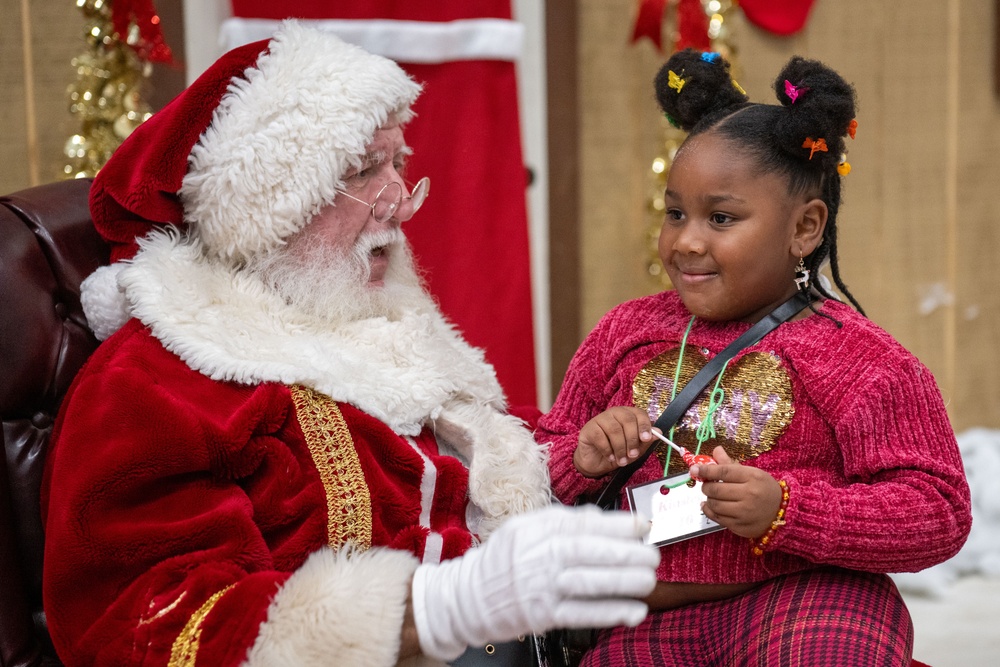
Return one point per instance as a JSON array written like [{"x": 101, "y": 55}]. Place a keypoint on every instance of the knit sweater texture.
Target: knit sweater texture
[{"x": 851, "y": 420}]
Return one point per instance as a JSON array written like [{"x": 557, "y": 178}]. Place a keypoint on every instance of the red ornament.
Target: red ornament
[
  {"x": 781, "y": 17},
  {"x": 696, "y": 459}
]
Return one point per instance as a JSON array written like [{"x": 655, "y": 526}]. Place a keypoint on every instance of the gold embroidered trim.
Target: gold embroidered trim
[
  {"x": 184, "y": 652},
  {"x": 348, "y": 503}
]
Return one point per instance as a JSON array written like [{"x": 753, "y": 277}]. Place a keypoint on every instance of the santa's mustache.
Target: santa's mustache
[{"x": 380, "y": 239}]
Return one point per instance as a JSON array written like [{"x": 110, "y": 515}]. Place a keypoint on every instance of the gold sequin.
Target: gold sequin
[
  {"x": 184, "y": 652},
  {"x": 756, "y": 410},
  {"x": 348, "y": 503}
]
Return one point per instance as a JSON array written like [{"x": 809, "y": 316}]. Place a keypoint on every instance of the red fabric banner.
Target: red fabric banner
[
  {"x": 471, "y": 237},
  {"x": 406, "y": 10}
]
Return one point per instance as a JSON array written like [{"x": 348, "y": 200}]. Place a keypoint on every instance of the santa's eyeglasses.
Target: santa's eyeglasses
[{"x": 389, "y": 198}]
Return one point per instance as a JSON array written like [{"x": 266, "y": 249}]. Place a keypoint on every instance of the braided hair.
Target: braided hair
[{"x": 697, "y": 93}]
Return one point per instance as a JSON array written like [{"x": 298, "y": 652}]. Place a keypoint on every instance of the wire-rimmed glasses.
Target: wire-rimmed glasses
[{"x": 389, "y": 198}]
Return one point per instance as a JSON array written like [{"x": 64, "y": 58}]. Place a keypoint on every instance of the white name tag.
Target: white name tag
[{"x": 674, "y": 508}]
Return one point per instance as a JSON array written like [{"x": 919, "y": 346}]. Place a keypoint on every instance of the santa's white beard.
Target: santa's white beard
[{"x": 333, "y": 285}]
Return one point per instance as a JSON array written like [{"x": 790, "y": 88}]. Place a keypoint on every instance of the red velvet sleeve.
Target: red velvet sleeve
[{"x": 152, "y": 550}]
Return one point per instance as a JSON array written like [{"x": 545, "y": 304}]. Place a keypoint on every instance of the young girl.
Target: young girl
[{"x": 836, "y": 460}]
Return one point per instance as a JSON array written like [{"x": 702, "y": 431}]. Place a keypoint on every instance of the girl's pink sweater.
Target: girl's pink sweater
[{"x": 852, "y": 422}]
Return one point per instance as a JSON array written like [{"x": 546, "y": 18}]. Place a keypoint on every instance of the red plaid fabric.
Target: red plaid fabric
[{"x": 827, "y": 617}]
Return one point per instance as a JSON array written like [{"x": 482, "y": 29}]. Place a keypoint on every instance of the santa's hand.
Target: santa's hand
[{"x": 560, "y": 567}]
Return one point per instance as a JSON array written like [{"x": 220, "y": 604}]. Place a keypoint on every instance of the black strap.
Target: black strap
[{"x": 694, "y": 387}]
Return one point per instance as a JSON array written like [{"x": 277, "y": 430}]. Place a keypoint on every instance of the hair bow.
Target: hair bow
[
  {"x": 710, "y": 56},
  {"x": 675, "y": 81},
  {"x": 793, "y": 91},
  {"x": 852, "y": 128},
  {"x": 813, "y": 146}
]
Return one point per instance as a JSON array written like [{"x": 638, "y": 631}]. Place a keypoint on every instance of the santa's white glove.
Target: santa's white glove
[{"x": 560, "y": 567}]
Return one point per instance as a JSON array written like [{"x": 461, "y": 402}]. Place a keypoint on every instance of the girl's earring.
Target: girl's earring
[{"x": 801, "y": 276}]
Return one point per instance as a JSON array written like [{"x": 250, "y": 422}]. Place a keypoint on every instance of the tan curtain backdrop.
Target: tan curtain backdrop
[
  {"x": 38, "y": 41},
  {"x": 38, "y": 38},
  {"x": 920, "y": 226}
]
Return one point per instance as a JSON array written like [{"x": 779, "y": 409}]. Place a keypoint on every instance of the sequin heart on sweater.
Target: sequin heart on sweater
[{"x": 756, "y": 410}]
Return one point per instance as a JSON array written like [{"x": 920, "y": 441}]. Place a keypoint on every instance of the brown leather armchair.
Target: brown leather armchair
[{"x": 47, "y": 246}]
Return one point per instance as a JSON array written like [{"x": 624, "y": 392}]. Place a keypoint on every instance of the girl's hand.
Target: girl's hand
[
  {"x": 743, "y": 499},
  {"x": 611, "y": 440}
]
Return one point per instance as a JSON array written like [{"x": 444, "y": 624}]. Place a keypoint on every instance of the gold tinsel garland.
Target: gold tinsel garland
[
  {"x": 107, "y": 95},
  {"x": 719, "y": 13}
]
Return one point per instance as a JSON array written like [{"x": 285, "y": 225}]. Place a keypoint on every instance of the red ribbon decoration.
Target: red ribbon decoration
[
  {"x": 692, "y": 24},
  {"x": 151, "y": 45},
  {"x": 649, "y": 22}
]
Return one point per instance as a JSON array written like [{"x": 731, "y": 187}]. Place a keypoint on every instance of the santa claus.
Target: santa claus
[{"x": 283, "y": 453}]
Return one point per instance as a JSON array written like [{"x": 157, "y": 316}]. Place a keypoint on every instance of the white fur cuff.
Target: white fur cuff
[{"x": 339, "y": 608}]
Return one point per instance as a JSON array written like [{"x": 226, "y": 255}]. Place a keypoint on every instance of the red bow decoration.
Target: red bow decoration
[
  {"x": 813, "y": 146},
  {"x": 692, "y": 24},
  {"x": 852, "y": 128},
  {"x": 649, "y": 21},
  {"x": 151, "y": 45}
]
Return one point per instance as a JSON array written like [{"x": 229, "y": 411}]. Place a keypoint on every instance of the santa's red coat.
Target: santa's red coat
[{"x": 177, "y": 507}]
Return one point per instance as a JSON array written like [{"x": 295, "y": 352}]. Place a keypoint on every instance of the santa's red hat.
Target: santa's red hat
[{"x": 246, "y": 155}]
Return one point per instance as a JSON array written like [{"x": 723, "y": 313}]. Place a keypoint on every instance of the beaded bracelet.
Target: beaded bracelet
[{"x": 761, "y": 543}]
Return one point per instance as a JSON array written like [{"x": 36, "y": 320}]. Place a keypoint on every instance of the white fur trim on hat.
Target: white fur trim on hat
[
  {"x": 282, "y": 138},
  {"x": 103, "y": 301}
]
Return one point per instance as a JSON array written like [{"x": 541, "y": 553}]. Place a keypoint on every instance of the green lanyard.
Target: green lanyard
[{"x": 706, "y": 429}]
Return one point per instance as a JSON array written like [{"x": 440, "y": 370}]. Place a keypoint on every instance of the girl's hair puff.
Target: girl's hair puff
[
  {"x": 707, "y": 87},
  {"x": 774, "y": 136}
]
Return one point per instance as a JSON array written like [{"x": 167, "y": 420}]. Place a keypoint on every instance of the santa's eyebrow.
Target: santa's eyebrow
[{"x": 375, "y": 157}]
